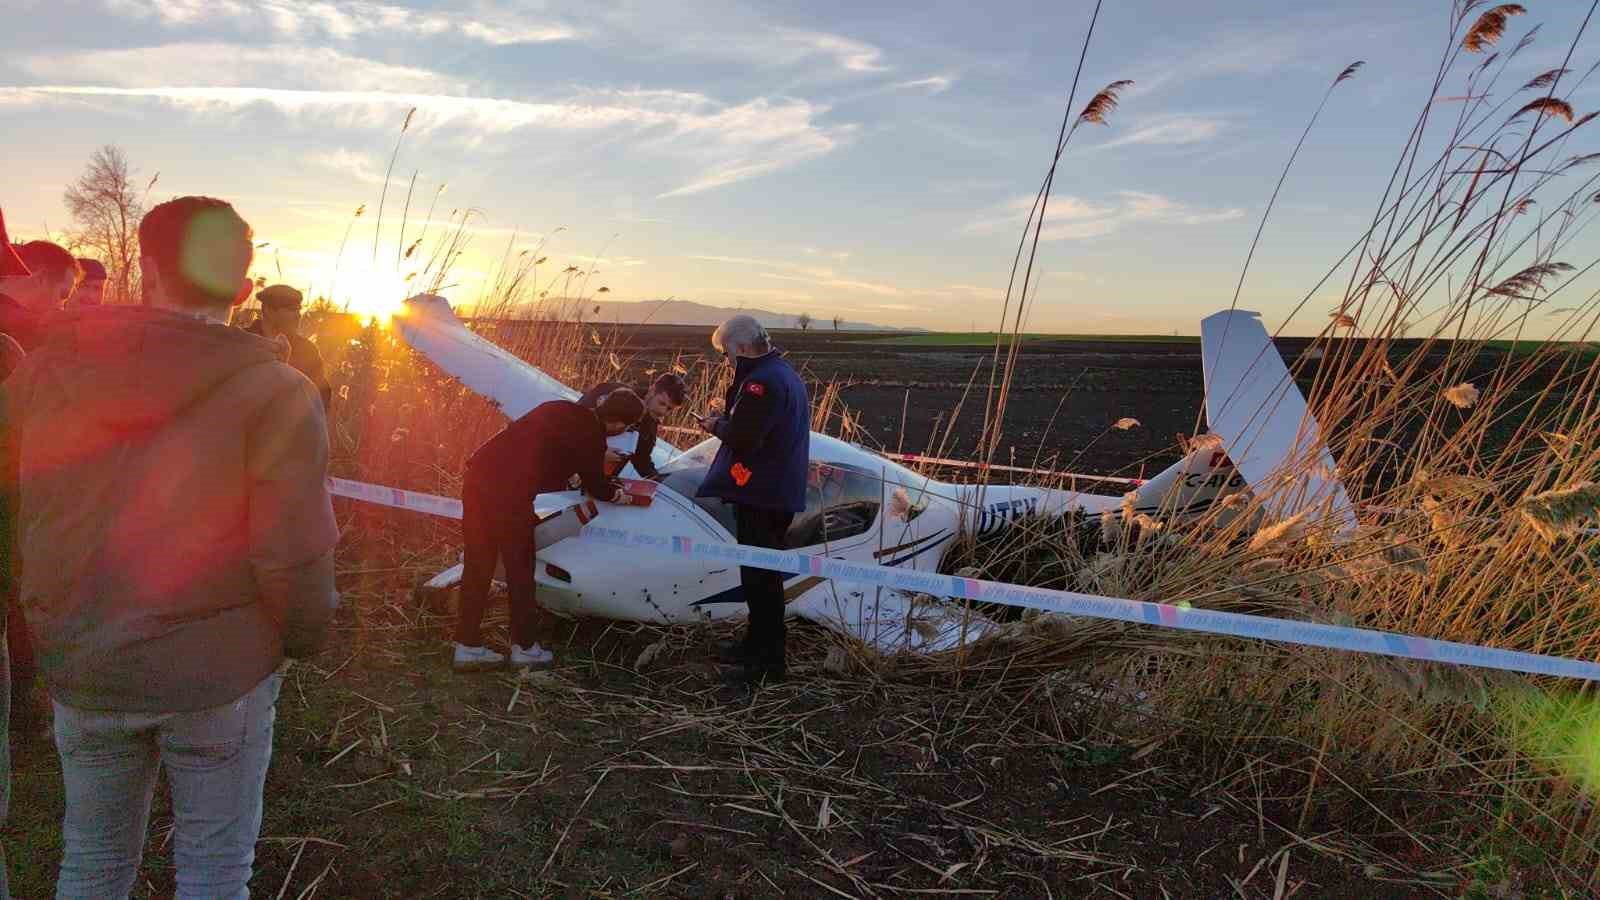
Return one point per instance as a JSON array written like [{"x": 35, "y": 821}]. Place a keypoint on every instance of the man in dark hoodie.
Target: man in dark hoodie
[
  {"x": 536, "y": 454},
  {"x": 176, "y": 544}
]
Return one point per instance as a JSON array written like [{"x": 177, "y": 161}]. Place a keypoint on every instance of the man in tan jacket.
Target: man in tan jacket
[{"x": 175, "y": 543}]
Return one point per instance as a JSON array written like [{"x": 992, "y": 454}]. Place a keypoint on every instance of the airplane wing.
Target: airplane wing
[
  {"x": 1254, "y": 406},
  {"x": 515, "y": 385},
  {"x": 430, "y": 326}
]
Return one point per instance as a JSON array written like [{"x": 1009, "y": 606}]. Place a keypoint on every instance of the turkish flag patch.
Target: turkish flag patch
[{"x": 756, "y": 389}]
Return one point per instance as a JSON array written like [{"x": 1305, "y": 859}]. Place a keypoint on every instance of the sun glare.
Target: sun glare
[{"x": 376, "y": 294}]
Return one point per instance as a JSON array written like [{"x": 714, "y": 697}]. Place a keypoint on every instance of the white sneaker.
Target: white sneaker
[
  {"x": 476, "y": 659},
  {"x": 534, "y": 657}
]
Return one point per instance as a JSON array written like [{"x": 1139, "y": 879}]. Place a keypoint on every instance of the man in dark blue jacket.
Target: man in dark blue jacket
[{"x": 760, "y": 468}]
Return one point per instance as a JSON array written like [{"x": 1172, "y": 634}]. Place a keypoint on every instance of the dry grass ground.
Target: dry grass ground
[{"x": 394, "y": 777}]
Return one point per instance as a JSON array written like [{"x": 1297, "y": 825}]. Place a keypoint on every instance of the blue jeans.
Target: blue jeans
[
  {"x": 216, "y": 761},
  {"x": 5, "y": 756}
]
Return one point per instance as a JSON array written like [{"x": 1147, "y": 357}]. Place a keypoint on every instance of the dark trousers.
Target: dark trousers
[
  {"x": 496, "y": 528},
  {"x": 20, "y": 645},
  {"x": 763, "y": 590}
]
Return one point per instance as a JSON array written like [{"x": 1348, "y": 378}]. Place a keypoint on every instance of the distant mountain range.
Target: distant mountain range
[{"x": 685, "y": 312}]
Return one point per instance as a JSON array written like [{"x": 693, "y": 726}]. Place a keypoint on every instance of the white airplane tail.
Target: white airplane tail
[
  {"x": 1255, "y": 408},
  {"x": 1262, "y": 438}
]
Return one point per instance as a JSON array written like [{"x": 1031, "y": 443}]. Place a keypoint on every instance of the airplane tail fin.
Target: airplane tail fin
[
  {"x": 1262, "y": 436},
  {"x": 1254, "y": 407}
]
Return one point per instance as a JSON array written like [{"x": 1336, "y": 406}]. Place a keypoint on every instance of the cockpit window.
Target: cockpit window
[{"x": 842, "y": 502}]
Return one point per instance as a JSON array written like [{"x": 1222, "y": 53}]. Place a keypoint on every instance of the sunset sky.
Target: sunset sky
[{"x": 869, "y": 163}]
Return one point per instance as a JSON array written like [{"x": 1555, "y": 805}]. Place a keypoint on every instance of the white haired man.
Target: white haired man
[{"x": 760, "y": 468}]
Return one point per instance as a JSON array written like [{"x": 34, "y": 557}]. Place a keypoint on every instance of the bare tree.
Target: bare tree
[
  {"x": 836, "y": 321},
  {"x": 803, "y": 320},
  {"x": 107, "y": 210}
]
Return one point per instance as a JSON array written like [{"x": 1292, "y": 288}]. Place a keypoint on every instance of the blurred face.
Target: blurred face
[
  {"x": 658, "y": 404},
  {"x": 282, "y": 319},
  {"x": 39, "y": 292},
  {"x": 614, "y": 427},
  {"x": 91, "y": 292}
]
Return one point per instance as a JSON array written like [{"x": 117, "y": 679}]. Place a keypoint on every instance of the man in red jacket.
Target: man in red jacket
[
  {"x": 175, "y": 545},
  {"x": 536, "y": 454}
]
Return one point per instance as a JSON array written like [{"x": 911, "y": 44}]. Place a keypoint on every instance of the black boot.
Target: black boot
[
  {"x": 759, "y": 669},
  {"x": 733, "y": 653},
  {"x": 755, "y": 676}
]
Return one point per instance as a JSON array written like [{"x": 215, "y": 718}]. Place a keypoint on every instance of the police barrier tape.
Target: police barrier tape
[
  {"x": 1166, "y": 615},
  {"x": 433, "y": 504}
]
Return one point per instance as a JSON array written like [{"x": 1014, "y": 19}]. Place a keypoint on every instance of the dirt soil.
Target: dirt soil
[
  {"x": 608, "y": 776},
  {"x": 1066, "y": 393}
]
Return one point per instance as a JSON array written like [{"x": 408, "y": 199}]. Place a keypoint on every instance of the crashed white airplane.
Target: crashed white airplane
[{"x": 863, "y": 507}]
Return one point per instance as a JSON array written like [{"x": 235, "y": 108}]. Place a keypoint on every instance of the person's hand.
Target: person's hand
[
  {"x": 706, "y": 422},
  {"x": 613, "y": 458},
  {"x": 575, "y": 482}
]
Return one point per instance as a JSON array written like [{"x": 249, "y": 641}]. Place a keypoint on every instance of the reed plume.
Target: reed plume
[
  {"x": 1549, "y": 106},
  {"x": 1563, "y": 511},
  {"x": 1101, "y": 104},
  {"x": 1490, "y": 27}
]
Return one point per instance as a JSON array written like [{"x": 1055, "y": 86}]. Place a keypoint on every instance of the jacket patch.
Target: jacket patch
[
  {"x": 756, "y": 389},
  {"x": 741, "y": 475}
]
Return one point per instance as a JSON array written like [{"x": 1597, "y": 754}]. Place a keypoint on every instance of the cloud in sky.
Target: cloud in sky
[
  {"x": 359, "y": 166},
  {"x": 1170, "y": 131},
  {"x": 977, "y": 291},
  {"x": 813, "y": 271},
  {"x": 1073, "y": 218},
  {"x": 1250, "y": 50},
  {"x": 219, "y": 64},
  {"x": 850, "y": 55},
  {"x": 345, "y": 21},
  {"x": 933, "y": 84},
  {"x": 719, "y": 144},
  {"x": 817, "y": 275}
]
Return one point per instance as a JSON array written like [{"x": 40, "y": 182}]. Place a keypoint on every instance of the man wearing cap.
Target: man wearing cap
[
  {"x": 280, "y": 321},
  {"x": 92, "y": 289},
  {"x": 667, "y": 393}
]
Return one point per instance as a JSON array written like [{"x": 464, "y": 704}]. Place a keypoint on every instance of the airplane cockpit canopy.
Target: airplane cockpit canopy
[{"x": 842, "y": 501}]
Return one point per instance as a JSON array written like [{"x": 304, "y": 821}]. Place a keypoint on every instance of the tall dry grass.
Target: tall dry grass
[{"x": 1470, "y": 451}]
